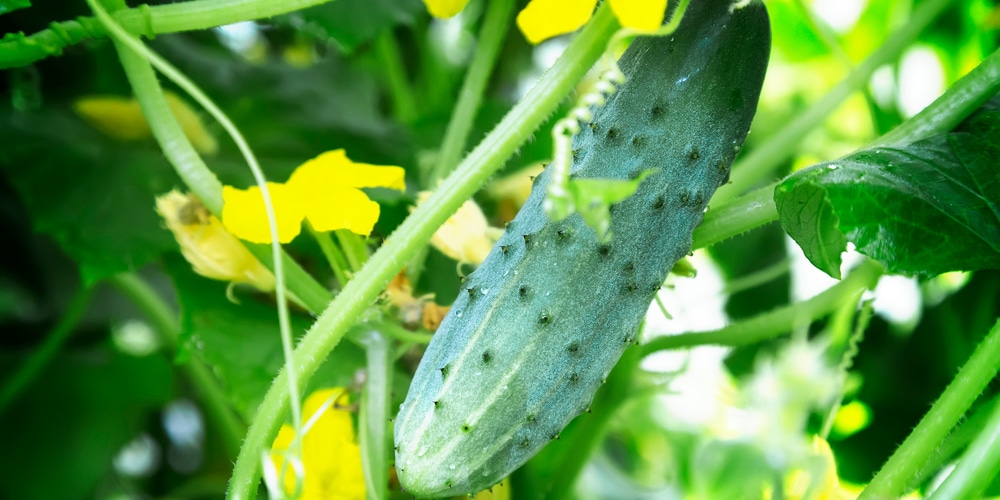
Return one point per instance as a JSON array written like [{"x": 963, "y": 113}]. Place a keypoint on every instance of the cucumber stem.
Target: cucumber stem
[
  {"x": 778, "y": 321},
  {"x": 20, "y": 50}
]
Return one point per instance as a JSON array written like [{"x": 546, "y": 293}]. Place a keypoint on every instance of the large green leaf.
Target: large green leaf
[
  {"x": 90, "y": 194},
  {"x": 924, "y": 209},
  {"x": 350, "y": 23},
  {"x": 61, "y": 434},
  {"x": 241, "y": 341},
  {"x": 11, "y": 5}
]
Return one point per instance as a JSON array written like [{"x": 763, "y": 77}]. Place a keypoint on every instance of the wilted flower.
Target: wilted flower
[
  {"x": 205, "y": 243},
  {"x": 465, "y": 235}
]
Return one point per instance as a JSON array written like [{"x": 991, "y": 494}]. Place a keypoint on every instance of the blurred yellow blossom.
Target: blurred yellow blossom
[
  {"x": 544, "y": 19},
  {"x": 465, "y": 235},
  {"x": 821, "y": 484},
  {"x": 121, "y": 118},
  {"x": 444, "y": 9},
  {"x": 204, "y": 242},
  {"x": 498, "y": 492},
  {"x": 513, "y": 190},
  {"x": 326, "y": 191},
  {"x": 331, "y": 456}
]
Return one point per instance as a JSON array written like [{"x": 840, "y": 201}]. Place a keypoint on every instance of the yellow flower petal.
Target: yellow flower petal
[
  {"x": 121, "y": 118},
  {"x": 334, "y": 208},
  {"x": 463, "y": 237},
  {"x": 443, "y": 9},
  {"x": 331, "y": 456},
  {"x": 641, "y": 15},
  {"x": 333, "y": 168},
  {"x": 327, "y": 188},
  {"x": 116, "y": 117},
  {"x": 212, "y": 251},
  {"x": 544, "y": 19},
  {"x": 244, "y": 215}
]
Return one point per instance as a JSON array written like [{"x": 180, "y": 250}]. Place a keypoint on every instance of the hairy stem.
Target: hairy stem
[
  {"x": 978, "y": 467},
  {"x": 737, "y": 216},
  {"x": 415, "y": 232},
  {"x": 896, "y": 476},
  {"x": 942, "y": 115},
  {"x": 779, "y": 321}
]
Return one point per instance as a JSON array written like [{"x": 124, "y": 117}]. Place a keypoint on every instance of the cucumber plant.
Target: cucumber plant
[{"x": 538, "y": 327}]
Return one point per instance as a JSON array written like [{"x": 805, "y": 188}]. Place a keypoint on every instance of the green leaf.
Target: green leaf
[
  {"x": 92, "y": 195},
  {"x": 75, "y": 418},
  {"x": 593, "y": 198},
  {"x": 925, "y": 209},
  {"x": 810, "y": 219},
  {"x": 242, "y": 343},
  {"x": 12, "y": 5},
  {"x": 350, "y": 23}
]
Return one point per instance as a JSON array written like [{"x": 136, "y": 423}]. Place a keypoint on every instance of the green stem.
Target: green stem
[
  {"x": 494, "y": 29},
  {"x": 947, "y": 111},
  {"x": 959, "y": 439},
  {"x": 416, "y": 231},
  {"x": 43, "y": 355},
  {"x": 374, "y": 416},
  {"x": 16, "y": 49},
  {"x": 404, "y": 103},
  {"x": 396, "y": 331},
  {"x": 334, "y": 256},
  {"x": 778, "y": 321},
  {"x": 132, "y": 52},
  {"x": 978, "y": 467},
  {"x": 894, "y": 479},
  {"x": 354, "y": 248},
  {"x": 164, "y": 321},
  {"x": 758, "y": 278},
  {"x": 760, "y": 162},
  {"x": 737, "y": 216}
]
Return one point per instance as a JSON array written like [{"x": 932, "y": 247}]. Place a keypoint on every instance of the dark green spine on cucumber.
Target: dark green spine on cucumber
[{"x": 548, "y": 314}]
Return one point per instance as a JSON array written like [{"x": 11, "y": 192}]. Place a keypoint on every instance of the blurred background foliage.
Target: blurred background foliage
[{"x": 114, "y": 413}]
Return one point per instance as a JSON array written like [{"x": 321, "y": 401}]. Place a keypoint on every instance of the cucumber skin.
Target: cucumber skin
[{"x": 538, "y": 327}]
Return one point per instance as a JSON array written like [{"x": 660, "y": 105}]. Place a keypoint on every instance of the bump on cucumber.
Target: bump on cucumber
[{"x": 550, "y": 311}]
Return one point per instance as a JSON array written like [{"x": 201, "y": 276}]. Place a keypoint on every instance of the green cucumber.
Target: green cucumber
[{"x": 543, "y": 320}]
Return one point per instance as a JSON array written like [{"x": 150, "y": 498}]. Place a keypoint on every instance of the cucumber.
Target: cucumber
[{"x": 543, "y": 320}]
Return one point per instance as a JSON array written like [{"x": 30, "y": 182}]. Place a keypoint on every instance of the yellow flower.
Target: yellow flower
[
  {"x": 464, "y": 236},
  {"x": 326, "y": 191},
  {"x": 544, "y": 19},
  {"x": 331, "y": 457},
  {"x": 444, "y": 9},
  {"x": 122, "y": 119},
  {"x": 820, "y": 484},
  {"x": 211, "y": 250}
]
